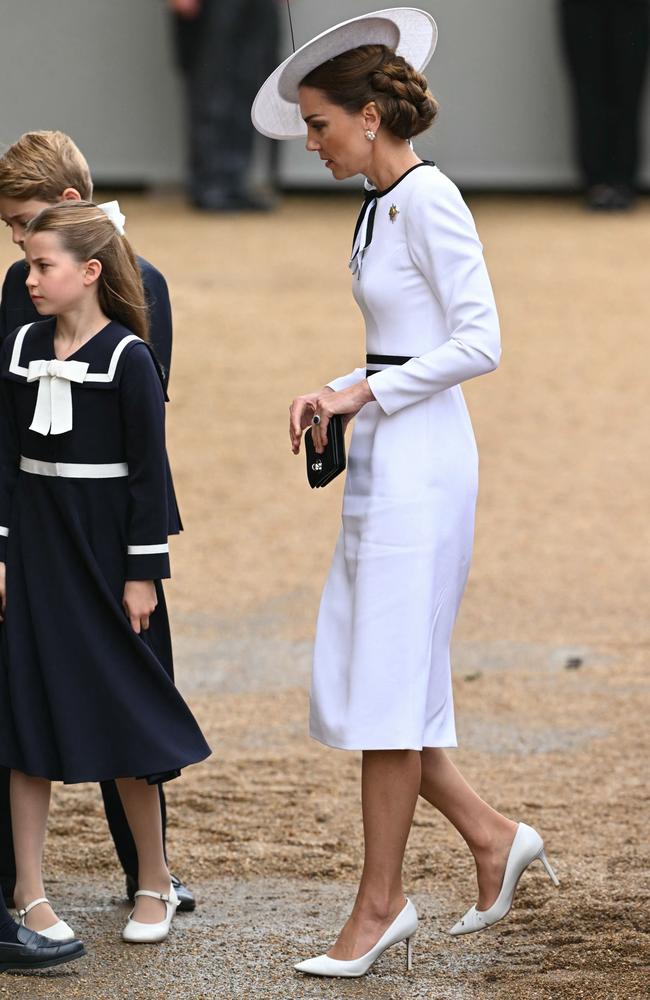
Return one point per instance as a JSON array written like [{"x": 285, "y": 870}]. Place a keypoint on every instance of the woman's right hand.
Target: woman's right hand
[
  {"x": 3, "y": 590},
  {"x": 300, "y": 413}
]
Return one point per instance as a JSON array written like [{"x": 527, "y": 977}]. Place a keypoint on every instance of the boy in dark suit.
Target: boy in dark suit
[{"x": 39, "y": 170}]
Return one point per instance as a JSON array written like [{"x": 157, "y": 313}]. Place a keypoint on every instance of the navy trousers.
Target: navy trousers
[
  {"x": 224, "y": 54},
  {"x": 606, "y": 46}
]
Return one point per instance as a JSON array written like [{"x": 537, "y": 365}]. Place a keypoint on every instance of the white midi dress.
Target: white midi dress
[{"x": 381, "y": 672}]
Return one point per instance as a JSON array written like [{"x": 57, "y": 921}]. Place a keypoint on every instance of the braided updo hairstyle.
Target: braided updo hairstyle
[{"x": 375, "y": 73}]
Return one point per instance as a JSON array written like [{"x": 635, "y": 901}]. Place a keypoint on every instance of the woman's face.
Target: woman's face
[{"x": 335, "y": 134}]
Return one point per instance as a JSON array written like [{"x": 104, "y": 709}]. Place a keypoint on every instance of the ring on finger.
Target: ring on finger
[{"x": 315, "y": 419}]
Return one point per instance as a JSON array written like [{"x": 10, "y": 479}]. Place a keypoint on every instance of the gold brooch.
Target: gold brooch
[{"x": 393, "y": 212}]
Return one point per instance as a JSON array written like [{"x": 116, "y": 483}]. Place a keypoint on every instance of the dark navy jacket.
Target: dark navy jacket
[{"x": 17, "y": 309}]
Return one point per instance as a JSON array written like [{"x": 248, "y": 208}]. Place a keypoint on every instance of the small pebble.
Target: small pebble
[{"x": 573, "y": 663}]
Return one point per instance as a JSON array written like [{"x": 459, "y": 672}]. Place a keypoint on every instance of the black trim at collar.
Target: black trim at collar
[{"x": 380, "y": 194}]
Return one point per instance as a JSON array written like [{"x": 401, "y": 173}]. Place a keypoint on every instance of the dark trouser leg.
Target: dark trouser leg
[
  {"x": 7, "y": 925},
  {"x": 606, "y": 44},
  {"x": 629, "y": 56},
  {"x": 225, "y": 55},
  {"x": 119, "y": 827},
  {"x": 584, "y": 32},
  {"x": 7, "y": 859}
]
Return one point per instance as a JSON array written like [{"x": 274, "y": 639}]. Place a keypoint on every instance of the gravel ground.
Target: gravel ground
[{"x": 551, "y": 650}]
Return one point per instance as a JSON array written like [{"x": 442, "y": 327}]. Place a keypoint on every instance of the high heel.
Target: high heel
[
  {"x": 403, "y": 928},
  {"x": 136, "y": 932},
  {"x": 409, "y": 954},
  {"x": 60, "y": 931},
  {"x": 527, "y": 847}
]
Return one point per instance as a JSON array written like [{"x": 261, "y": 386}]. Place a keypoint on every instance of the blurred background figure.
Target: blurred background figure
[
  {"x": 606, "y": 46},
  {"x": 225, "y": 49}
]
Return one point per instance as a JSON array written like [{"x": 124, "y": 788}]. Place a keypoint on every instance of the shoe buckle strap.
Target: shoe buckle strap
[
  {"x": 30, "y": 906},
  {"x": 164, "y": 896}
]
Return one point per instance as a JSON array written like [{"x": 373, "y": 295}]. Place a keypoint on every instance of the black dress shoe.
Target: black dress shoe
[
  {"x": 187, "y": 900},
  {"x": 234, "y": 201},
  {"x": 33, "y": 951}
]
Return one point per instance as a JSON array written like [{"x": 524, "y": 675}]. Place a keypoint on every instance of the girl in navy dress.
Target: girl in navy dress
[{"x": 86, "y": 689}]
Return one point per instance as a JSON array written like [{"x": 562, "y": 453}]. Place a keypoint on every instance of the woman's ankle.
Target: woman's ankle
[
  {"x": 492, "y": 836},
  {"x": 379, "y": 905}
]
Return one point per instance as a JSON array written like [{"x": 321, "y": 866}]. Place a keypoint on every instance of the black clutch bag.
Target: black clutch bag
[{"x": 322, "y": 469}]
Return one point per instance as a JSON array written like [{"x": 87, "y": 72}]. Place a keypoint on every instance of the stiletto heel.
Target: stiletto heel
[
  {"x": 402, "y": 928},
  {"x": 551, "y": 874},
  {"x": 527, "y": 847}
]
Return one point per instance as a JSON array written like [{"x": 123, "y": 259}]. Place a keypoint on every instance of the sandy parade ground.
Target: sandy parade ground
[{"x": 551, "y": 648}]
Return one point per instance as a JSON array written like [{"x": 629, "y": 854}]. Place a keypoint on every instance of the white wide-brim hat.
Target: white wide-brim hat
[{"x": 411, "y": 32}]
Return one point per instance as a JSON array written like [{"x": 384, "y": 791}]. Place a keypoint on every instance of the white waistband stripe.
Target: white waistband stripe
[
  {"x": 148, "y": 550},
  {"x": 74, "y": 470},
  {"x": 4, "y": 531}
]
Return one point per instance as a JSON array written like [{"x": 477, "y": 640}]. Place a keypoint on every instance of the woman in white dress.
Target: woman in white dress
[{"x": 381, "y": 676}]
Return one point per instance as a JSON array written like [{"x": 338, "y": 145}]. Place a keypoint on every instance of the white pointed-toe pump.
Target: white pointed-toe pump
[
  {"x": 527, "y": 847},
  {"x": 136, "y": 932},
  {"x": 403, "y": 928},
  {"x": 60, "y": 931}
]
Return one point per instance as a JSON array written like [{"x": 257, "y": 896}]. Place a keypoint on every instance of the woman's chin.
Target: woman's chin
[{"x": 339, "y": 173}]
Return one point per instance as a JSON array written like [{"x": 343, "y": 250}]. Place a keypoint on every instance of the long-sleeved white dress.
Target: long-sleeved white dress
[{"x": 381, "y": 674}]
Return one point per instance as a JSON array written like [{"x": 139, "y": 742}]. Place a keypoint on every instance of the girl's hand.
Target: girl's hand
[
  {"x": 300, "y": 413},
  {"x": 3, "y": 590},
  {"x": 139, "y": 601},
  {"x": 347, "y": 403}
]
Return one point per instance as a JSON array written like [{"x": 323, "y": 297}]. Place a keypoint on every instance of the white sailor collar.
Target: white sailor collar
[{"x": 101, "y": 358}]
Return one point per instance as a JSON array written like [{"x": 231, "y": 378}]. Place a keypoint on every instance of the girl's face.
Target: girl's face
[
  {"x": 337, "y": 135},
  {"x": 56, "y": 281}
]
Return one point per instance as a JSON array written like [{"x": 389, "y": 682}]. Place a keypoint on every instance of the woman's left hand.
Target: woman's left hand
[
  {"x": 346, "y": 402},
  {"x": 139, "y": 601}
]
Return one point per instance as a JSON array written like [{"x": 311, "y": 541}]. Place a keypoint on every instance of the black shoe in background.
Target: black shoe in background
[
  {"x": 233, "y": 201},
  {"x": 610, "y": 198},
  {"x": 33, "y": 951}
]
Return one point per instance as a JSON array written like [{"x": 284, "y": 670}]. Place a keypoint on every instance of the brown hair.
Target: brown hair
[
  {"x": 86, "y": 232},
  {"x": 42, "y": 165},
  {"x": 375, "y": 73}
]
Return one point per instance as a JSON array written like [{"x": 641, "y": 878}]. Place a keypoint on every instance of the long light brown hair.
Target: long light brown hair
[{"x": 86, "y": 232}]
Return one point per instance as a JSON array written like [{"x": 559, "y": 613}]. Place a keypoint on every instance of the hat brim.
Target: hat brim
[{"x": 411, "y": 32}]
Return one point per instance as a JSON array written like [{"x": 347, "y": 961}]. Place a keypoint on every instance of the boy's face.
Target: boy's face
[{"x": 16, "y": 214}]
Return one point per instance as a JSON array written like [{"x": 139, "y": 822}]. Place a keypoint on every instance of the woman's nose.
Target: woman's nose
[{"x": 311, "y": 145}]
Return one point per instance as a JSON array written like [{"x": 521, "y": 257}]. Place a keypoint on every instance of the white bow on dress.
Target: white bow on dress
[{"x": 53, "y": 411}]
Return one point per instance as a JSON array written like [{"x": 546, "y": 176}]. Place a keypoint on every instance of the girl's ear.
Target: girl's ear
[
  {"x": 93, "y": 269},
  {"x": 70, "y": 194}
]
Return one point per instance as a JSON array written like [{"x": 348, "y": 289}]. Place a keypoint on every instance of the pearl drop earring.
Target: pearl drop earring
[{"x": 370, "y": 135}]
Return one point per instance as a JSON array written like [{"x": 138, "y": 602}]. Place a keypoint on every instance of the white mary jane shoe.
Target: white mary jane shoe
[
  {"x": 60, "y": 931},
  {"x": 136, "y": 932},
  {"x": 527, "y": 847},
  {"x": 402, "y": 928}
]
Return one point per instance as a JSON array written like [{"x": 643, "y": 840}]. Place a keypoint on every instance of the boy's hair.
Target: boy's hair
[
  {"x": 87, "y": 233},
  {"x": 41, "y": 165}
]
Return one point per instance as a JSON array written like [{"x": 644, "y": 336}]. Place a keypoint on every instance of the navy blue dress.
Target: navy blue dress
[{"x": 83, "y": 508}]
